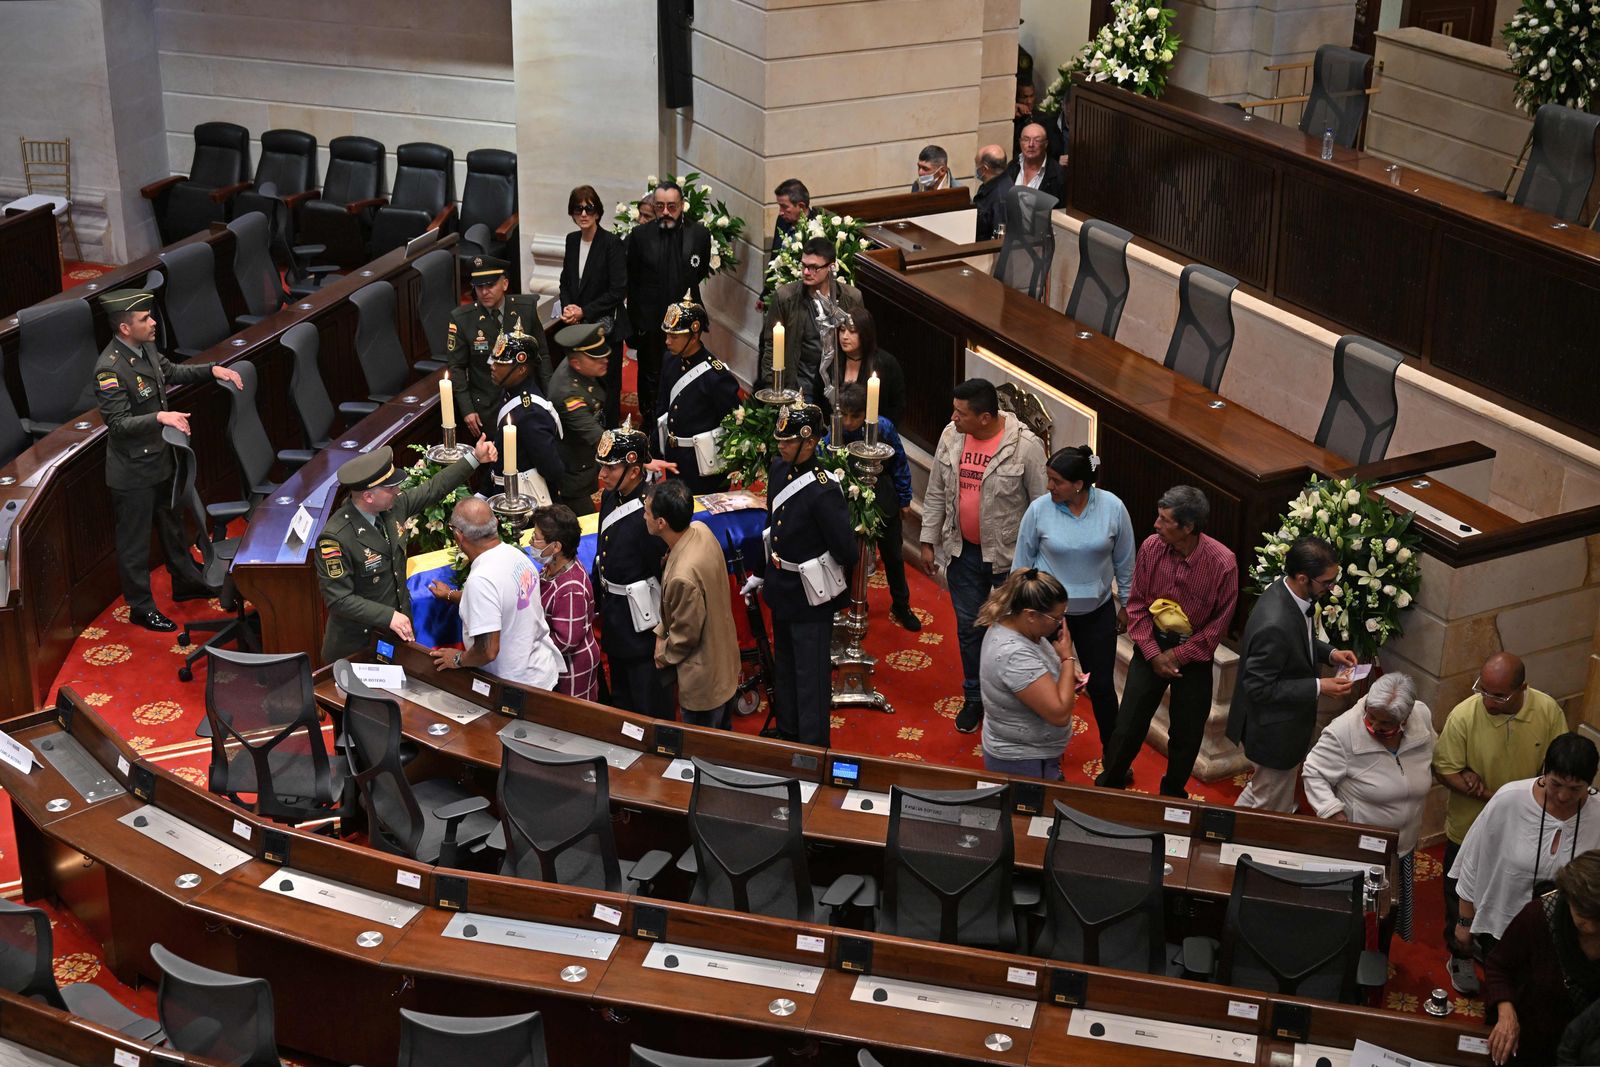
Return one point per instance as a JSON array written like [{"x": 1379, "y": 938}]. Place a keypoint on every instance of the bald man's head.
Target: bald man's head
[
  {"x": 991, "y": 160},
  {"x": 1502, "y": 683},
  {"x": 474, "y": 521},
  {"x": 1031, "y": 143}
]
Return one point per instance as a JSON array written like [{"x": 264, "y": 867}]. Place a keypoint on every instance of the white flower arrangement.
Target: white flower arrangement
[
  {"x": 1378, "y": 560},
  {"x": 725, "y": 228},
  {"x": 846, "y": 233},
  {"x": 1135, "y": 50},
  {"x": 1554, "y": 48}
]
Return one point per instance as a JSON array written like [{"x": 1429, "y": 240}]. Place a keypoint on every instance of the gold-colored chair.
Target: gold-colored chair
[{"x": 47, "y": 167}]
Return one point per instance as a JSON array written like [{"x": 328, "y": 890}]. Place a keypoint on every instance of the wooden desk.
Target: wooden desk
[
  {"x": 32, "y": 1029},
  {"x": 30, "y": 258}
]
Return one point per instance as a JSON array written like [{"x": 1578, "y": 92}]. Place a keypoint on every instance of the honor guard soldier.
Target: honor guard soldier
[
  {"x": 811, "y": 553},
  {"x": 627, "y": 577},
  {"x": 131, "y": 379},
  {"x": 697, "y": 392},
  {"x": 477, "y": 330},
  {"x": 580, "y": 401},
  {"x": 361, "y": 555},
  {"x": 538, "y": 438}
]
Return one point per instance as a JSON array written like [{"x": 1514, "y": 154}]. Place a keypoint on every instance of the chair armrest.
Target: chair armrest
[
  {"x": 1250, "y": 105},
  {"x": 157, "y": 188},
  {"x": 358, "y": 206},
  {"x": 357, "y": 408},
  {"x": 1025, "y": 893},
  {"x": 228, "y": 192},
  {"x": 228, "y": 509},
  {"x": 648, "y": 867},
  {"x": 296, "y": 457},
  {"x": 248, "y": 320},
  {"x": 306, "y": 251},
  {"x": 843, "y": 891},
  {"x": 442, "y": 217},
  {"x": 460, "y": 809},
  {"x": 320, "y": 269},
  {"x": 36, "y": 428},
  {"x": 1430, "y": 459},
  {"x": 1199, "y": 956},
  {"x": 1372, "y": 970},
  {"x": 503, "y": 231},
  {"x": 428, "y": 366},
  {"x": 296, "y": 199},
  {"x": 688, "y": 863}
]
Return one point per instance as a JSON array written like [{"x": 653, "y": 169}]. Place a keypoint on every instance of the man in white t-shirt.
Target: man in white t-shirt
[{"x": 502, "y": 620}]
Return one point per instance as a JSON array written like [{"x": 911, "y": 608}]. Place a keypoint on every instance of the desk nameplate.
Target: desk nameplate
[
  {"x": 532, "y": 936},
  {"x": 731, "y": 967},
  {"x": 1156, "y": 1034},
  {"x": 536, "y": 735},
  {"x": 190, "y": 842},
  {"x": 336, "y": 896},
  {"x": 939, "y": 1000},
  {"x": 73, "y": 762},
  {"x": 457, "y": 709}
]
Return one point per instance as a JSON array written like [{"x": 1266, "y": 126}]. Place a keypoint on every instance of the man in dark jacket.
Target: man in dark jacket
[
  {"x": 990, "y": 168},
  {"x": 1033, "y": 167},
  {"x": 666, "y": 258},
  {"x": 795, "y": 305}
]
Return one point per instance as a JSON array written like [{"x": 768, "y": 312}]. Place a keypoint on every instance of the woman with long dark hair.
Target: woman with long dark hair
[{"x": 858, "y": 346}]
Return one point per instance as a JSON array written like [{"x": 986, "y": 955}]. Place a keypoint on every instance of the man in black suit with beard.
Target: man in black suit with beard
[
  {"x": 666, "y": 258},
  {"x": 1274, "y": 710}
]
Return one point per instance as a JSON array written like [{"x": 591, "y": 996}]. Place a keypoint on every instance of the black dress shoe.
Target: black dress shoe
[
  {"x": 906, "y": 618},
  {"x": 152, "y": 620}
]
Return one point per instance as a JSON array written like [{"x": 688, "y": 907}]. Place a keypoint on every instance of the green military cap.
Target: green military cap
[
  {"x": 622, "y": 445},
  {"x": 801, "y": 421},
  {"x": 486, "y": 270},
  {"x": 375, "y": 470},
  {"x": 125, "y": 300},
  {"x": 586, "y": 337}
]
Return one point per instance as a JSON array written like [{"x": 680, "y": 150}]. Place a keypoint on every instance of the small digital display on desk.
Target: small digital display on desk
[
  {"x": 386, "y": 650},
  {"x": 844, "y": 772}
]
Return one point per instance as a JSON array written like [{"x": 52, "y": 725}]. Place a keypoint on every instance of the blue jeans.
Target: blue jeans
[
  {"x": 971, "y": 580},
  {"x": 1048, "y": 769}
]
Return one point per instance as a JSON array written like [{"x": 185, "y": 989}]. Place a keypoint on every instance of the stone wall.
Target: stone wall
[
  {"x": 1446, "y": 108},
  {"x": 1227, "y": 43}
]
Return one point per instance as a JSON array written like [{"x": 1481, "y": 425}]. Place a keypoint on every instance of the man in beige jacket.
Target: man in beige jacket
[{"x": 696, "y": 634}]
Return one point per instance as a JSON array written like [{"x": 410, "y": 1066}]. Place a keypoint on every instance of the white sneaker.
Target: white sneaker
[{"x": 1463, "y": 976}]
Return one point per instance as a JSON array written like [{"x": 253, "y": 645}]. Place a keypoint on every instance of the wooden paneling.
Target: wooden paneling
[{"x": 30, "y": 259}]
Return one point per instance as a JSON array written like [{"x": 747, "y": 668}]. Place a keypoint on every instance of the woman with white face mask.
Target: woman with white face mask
[{"x": 568, "y": 600}]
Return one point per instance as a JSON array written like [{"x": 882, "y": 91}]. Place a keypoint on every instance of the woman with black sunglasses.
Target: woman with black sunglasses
[{"x": 594, "y": 271}]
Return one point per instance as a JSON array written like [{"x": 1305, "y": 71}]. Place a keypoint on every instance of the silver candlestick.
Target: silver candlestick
[
  {"x": 447, "y": 452},
  {"x": 775, "y": 395},
  {"x": 513, "y": 507},
  {"x": 852, "y": 666}
]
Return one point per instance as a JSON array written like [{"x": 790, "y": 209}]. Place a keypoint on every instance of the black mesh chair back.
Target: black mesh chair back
[
  {"x": 1029, "y": 246},
  {"x": 14, "y": 436},
  {"x": 440, "y": 296},
  {"x": 1100, "y": 291},
  {"x": 209, "y": 1013},
  {"x": 372, "y": 746},
  {"x": 221, "y": 159},
  {"x": 258, "y": 277},
  {"x": 266, "y": 737},
  {"x": 424, "y": 182},
  {"x": 1294, "y": 932},
  {"x": 194, "y": 307},
  {"x": 643, "y": 1057},
  {"x": 307, "y": 390},
  {"x": 27, "y": 968},
  {"x": 288, "y": 165},
  {"x": 556, "y": 811},
  {"x": 248, "y": 437},
  {"x": 448, "y": 1041},
  {"x": 1338, "y": 94},
  {"x": 1203, "y": 337},
  {"x": 1362, "y": 407},
  {"x": 947, "y": 867},
  {"x": 748, "y": 845},
  {"x": 1103, "y": 894},
  {"x": 383, "y": 361},
  {"x": 56, "y": 354},
  {"x": 1561, "y": 163}
]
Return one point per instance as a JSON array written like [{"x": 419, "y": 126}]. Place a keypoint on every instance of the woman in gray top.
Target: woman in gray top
[{"x": 1029, "y": 676}]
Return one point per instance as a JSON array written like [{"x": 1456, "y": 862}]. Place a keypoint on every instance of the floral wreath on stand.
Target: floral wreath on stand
[
  {"x": 845, "y": 232},
  {"x": 1554, "y": 48},
  {"x": 725, "y": 229},
  {"x": 1379, "y": 560},
  {"x": 747, "y": 451},
  {"x": 1135, "y": 50}
]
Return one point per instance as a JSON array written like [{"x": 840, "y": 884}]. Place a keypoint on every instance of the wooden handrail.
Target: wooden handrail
[
  {"x": 1430, "y": 459},
  {"x": 944, "y": 255},
  {"x": 900, "y": 205}
]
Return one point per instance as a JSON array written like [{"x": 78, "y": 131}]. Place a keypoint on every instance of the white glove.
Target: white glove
[{"x": 752, "y": 584}]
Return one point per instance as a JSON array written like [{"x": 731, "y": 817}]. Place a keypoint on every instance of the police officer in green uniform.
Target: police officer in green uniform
[
  {"x": 580, "y": 400},
  {"x": 131, "y": 379},
  {"x": 478, "y": 330},
  {"x": 361, "y": 555}
]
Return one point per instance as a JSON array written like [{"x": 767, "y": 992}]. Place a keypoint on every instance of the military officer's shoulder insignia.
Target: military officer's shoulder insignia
[
  {"x": 527, "y": 401},
  {"x": 822, "y": 476},
  {"x": 716, "y": 364},
  {"x": 107, "y": 381},
  {"x": 331, "y": 556},
  {"x": 575, "y": 403},
  {"x": 452, "y": 325}
]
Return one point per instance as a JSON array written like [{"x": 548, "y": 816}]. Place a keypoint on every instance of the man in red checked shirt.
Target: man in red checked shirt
[{"x": 1178, "y": 563}]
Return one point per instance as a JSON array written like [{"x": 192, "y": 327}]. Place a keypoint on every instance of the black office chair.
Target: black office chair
[
  {"x": 448, "y": 1041},
  {"x": 1202, "y": 340},
  {"x": 489, "y": 210},
  {"x": 27, "y": 967},
  {"x": 14, "y": 436},
  {"x": 1029, "y": 246},
  {"x": 209, "y": 1013},
  {"x": 1103, "y": 895},
  {"x": 286, "y": 177},
  {"x": 56, "y": 354},
  {"x": 253, "y": 268},
  {"x": 334, "y": 226},
  {"x": 1100, "y": 291},
  {"x": 555, "y": 812},
  {"x": 194, "y": 307},
  {"x": 441, "y": 294},
  {"x": 867, "y": 1059},
  {"x": 947, "y": 867},
  {"x": 639, "y": 1056},
  {"x": 252, "y": 448},
  {"x": 217, "y": 551},
  {"x": 1338, "y": 98},
  {"x": 262, "y": 708},
  {"x": 1561, "y": 163},
  {"x": 423, "y": 198},
  {"x": 435, "y": 821},
  {"x": 1299, "y": 933},
  {"x": 383, "y": 361},
  {"x": 307, "y": 390},
  {"x": 1362, "y": 407},
  {"x": 220, "y": 170}
]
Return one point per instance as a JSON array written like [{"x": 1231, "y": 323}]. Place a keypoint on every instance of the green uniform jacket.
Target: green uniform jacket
[
  {"x": 471, "y": 338},
  {"x": 580, "y": 402},
  {"x": 131, "y": 389},
  {"x": 363, "y": 574}
]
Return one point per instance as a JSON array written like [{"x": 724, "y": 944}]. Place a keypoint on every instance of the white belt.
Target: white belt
[{"x": 794, "y": 568}]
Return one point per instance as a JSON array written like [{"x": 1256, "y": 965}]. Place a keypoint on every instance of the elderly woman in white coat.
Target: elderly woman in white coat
[{"x": 1373, "y": 765}]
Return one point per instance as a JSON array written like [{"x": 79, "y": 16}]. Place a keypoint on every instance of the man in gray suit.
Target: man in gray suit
[{"x": 1274, "y": 712}]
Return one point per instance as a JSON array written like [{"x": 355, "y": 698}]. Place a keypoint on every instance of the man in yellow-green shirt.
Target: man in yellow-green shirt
[{"x": 1497, "y": 735}]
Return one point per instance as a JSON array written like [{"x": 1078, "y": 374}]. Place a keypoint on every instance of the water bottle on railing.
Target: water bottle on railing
[{"x": 1327, "y": 143}]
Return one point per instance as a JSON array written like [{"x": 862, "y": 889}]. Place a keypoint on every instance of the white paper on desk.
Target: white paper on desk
[
  {"x": 1155, "y": 1033},
  {"x": 683, "y": 770},
  {"x": 1293, "y": 861},
  {"x": 336, "y": 896},
  {"x": 864, "y": 801},
  {"x": 1369, "y": 1055},
  {"x": 1309, "y": 1055},
  {"x": 15, "y": 753},
  {"x": 941, "y": 1000},
  {"x": 440, "y": 702},
  {"x": 730, "y": 967},
  {"x": 299, "y": 527},
  {"x": 380, "y": 675},
  {"x": 1177, "y": 844}
]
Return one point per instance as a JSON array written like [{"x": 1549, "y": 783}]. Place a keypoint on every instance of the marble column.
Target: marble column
[{"x": 1228, "y": 43}]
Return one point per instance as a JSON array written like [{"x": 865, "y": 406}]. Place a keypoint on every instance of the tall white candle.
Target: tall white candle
[
  {"x": 510, "y": 444},
  {"x": 447, "y": 404},
  {"x": 872, "y": 399},
  {"x": 777, "y": 346}
]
